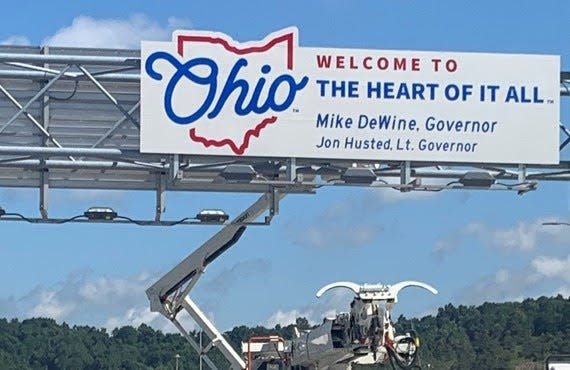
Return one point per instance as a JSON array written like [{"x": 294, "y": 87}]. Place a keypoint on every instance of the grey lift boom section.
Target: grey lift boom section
[{"x": 170, "y": 294}]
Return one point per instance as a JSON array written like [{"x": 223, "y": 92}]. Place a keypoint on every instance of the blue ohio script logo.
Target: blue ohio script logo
[{"x": 249, "y": 100}]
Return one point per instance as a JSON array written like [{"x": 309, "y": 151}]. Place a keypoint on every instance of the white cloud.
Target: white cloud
[
  {"x": 134, "y": 316},
  {"x": 334, "y": 302},
  {"x": 49, "y": 305},
  {"x": 102, "y": 301},
  {"x": 563, "y": 291},
  {"x": 389, "y": 195},
  {"x": 137, "y": 315},
  {"x": 336, "y": 227},
  {"x": 228, "y": 276},
  {"x": 523, "y": 236},
  {"x": 350, "y": 223},
  {"x": 517, "y": 284},
  {"x": 447, "y": 244},
  {"x": 141, "y": 314},
  {"x": 325, "y": 236},
  {"x": 103, "y": 290},
  {"x": 550, "y": 267},
  {"x": 432, "y": 311},
  {"x": 88, "y": 300},
  {"x": 285, "y": 318},
  {"x": 505, "y": 285},
  {"x": 16, "y": 40},
  {"x": 114, "y": 33}
]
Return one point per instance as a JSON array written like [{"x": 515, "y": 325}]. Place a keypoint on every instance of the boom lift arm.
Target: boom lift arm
[{"x": 170, "y": 294}]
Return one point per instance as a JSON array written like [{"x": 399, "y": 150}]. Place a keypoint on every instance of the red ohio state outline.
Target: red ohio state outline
[{"x": 256, "y": 131}]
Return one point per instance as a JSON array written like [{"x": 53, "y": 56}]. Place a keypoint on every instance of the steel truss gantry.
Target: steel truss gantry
[{"x": 69, "y": 118}]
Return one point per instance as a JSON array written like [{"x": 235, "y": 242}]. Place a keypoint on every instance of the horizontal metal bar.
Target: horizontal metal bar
[
  {"x": 150, "y": 185},
  {"x": 155, "y": 166},
  {"x": 449, "y": 174},
  {"x": 153, "y": 161},
  {"x": 36, "y": 220},
  {"x": 37, "y": 75},
  {"x": 59, "y": 221},
  {"x": 113, "y": 77},
  {"x": 23, "y": 150},
  {"x": 79, "y": 164},
  {"x": 69, "y": 59}
]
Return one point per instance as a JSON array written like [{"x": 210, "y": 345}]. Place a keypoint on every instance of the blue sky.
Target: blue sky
[{"x": 473, "y": 246}]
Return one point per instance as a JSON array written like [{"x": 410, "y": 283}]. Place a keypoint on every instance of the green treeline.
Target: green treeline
[
  {"x": 491, "y": 336},
  {"x": 512, "y": 335}
]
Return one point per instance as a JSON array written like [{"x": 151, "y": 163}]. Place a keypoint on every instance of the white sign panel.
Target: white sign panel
[
  {"x": 558, "y": 365},
  {"x": 204, "y": 93}
]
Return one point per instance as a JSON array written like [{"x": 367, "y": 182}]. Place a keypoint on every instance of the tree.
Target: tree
[{"x": 515, "y": 335}]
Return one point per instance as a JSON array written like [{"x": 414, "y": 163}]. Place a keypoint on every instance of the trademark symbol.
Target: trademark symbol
[{"x": 550, "y": 101}]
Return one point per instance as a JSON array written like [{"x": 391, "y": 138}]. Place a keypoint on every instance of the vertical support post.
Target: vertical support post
[
  {"x": 45, "y": 104},
  {"x": 44, "y": 174},
  {"x": 274, "y": 206},
  {"x": 405, "y": 175},
  {"x": 274, "y": 198},
  {"x": 201, "y": 347},
  {"x": 160, "y": 195},
  {"x": 174, "y": 168},
  {"x": 44, "y": 186},
  {"x": 292, "y": 169},
  {"x": 522, "y": 173}
]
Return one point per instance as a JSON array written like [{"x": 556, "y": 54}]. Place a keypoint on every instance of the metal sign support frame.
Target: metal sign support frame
[{"x": 69, "y": 120}]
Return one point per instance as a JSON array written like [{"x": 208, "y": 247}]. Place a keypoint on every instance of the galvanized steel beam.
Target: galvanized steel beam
[{"x": 69, "y": 59}]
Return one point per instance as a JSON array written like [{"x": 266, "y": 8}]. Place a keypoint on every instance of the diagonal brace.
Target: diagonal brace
[
  {"x": 42, "y": 69},
  {"x": 565, "y": 130},
  {"x": 116, "y": 125},
  {"x": 109, "y": 96},
  {"x": 218, "y": 340},
  {"x": 24, "y": 108},
  {"x": 194, "y": 345},
  {"x": 31, "y": 118}
]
